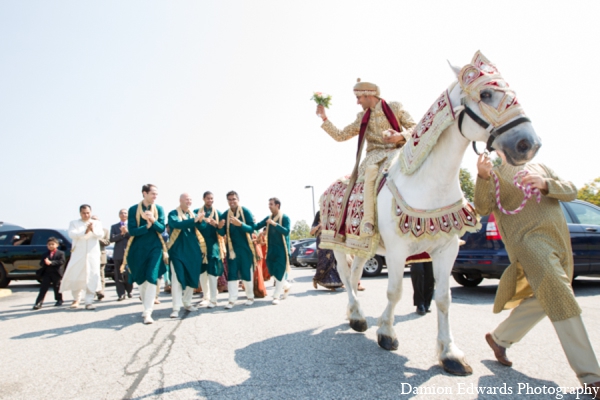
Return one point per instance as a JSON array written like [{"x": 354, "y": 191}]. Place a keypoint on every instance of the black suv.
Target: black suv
[
  {"x": 484, "y": 255},
  {"x": 22, "y": 250}
]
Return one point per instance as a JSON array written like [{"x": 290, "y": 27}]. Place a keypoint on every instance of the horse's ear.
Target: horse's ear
[{"x": 454, "y": 68}]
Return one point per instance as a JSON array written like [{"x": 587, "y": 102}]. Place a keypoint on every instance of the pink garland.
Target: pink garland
[{"x": 527, "y": 192}]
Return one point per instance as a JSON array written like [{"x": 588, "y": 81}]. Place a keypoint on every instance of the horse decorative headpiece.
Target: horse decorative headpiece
[
  {"x": 478, "y": 75},
  {"x": 473, "y": 78}
]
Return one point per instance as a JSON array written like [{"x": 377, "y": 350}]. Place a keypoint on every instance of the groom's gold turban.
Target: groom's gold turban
[{"x": 366, "y": 88}]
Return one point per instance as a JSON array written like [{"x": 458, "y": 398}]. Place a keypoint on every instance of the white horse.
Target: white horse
[{"x": 435, "y": 184}]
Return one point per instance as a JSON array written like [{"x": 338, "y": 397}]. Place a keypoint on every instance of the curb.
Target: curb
[{"x": 5, "y": 292}]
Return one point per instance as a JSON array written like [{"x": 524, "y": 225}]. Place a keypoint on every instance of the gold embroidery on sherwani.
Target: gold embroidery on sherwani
[
  {"x": 277, "y": 219},
  {"x": 378, "y": 153},
  {"x": 239, "y": 214},
  {"x": 377, "y": 150},
  {"x": 220, "y": 239},
  {"x": 175, "y": 234},
  {"x": 139, "y": 215},
  {"x": 537, "y": 241}
]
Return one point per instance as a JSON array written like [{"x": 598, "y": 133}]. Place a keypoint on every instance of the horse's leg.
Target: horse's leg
[
  {"x": 451, "y": 358},
  {"x": 386, "y": 336},
  {"x": 348, "y": 275}
]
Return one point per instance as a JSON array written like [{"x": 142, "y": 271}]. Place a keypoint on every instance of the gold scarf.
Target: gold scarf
[
  {"x": 239, "y": 213},
  {"x": 220, "y": 239},
  {"x": 175, "y": 234},
  {"x": 139, "y": 215},
  {"x": 277, "y": 219}
]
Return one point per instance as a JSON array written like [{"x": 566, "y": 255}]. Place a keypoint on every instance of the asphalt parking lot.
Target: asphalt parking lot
[{"x": 300, "y": 349}]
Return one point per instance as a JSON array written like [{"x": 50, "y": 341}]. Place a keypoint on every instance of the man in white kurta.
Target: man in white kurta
[{"x": 83, "y": 270}]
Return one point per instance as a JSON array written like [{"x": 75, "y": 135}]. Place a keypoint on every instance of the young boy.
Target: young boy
[{"x": 53, "y": 265}]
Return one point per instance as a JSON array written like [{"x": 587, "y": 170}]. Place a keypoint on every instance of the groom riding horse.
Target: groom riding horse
[{"x": 377, "y": 117}]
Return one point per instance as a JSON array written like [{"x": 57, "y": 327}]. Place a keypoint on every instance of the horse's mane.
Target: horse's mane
[{"x": 424, "y": 136}]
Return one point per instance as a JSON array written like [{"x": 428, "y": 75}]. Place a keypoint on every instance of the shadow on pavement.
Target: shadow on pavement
[
  {"x": 335, "y": 363},
  {"x": 49, "y": 309},
  {"x": 511, "y": 379},
  {"x": 474, "y": 295},
  {"x": 307, "y": 364},
  {"x": 116, "y": 323}
]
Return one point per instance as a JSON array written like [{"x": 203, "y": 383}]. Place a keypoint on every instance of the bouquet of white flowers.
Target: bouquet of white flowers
[{"x": 322, "y": 99}]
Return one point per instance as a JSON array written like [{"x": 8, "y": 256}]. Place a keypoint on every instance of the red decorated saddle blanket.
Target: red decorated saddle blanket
[
  {"x": 455, "y": 219},
  {"x": 348, "y": 238}
]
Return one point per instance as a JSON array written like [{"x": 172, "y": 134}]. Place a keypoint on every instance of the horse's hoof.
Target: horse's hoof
[
  {"x": 455, "y": 367},
  {"x": 386, "y": 342},
  {"x": 358, "y": 325}
]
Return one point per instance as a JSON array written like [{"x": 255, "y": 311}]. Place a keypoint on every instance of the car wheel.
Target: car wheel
[
  {"x": 313, "y": 265},
  {"x": 468, "y": 280},
  {"x": 4, "y": 281},
  {"x": 304, "y": 265},
  {"x": 373, "y": 266}
]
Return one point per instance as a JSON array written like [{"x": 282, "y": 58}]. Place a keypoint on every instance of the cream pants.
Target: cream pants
[
  {"x": 148, "y": 293},
  {"x": 232, "y": 288},
  {"x": 209, "y": 286},
  {"x": 181, "y": 297},
  {"x": 88, "y": 298},
  {"x": 571, "y": 333}
]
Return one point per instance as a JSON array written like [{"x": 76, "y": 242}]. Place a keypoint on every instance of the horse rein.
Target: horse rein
[{"x": 494, "y": 132}]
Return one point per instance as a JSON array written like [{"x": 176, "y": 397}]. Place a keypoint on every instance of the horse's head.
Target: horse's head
[{"x": 493, "y": 106}]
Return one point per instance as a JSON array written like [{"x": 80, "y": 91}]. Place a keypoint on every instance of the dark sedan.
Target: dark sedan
[
  {"x": 297, "y": 246},
  {"x": 484, "y": 255},
  {"x": 373, "y": 266}
]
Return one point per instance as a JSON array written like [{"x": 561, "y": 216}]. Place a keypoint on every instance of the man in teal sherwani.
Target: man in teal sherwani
[
  {"x": 278, "y": 246},
  {"x": 145, "y": 253},
  {"x": 238, "y": 224},
  {"x": 186, "y": 253},
  {"x": 212, "y": 269}
]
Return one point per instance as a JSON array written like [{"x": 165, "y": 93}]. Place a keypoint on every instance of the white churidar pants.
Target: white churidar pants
[
  {"x": 279, "y": 286},
  {"x": 148, "y": 293},
  {"x": 209, "y": 286},
  {"x": 181, "y": 297},
  {"x": 89, "y": 296},
  {"x": 232, "y": 288}
]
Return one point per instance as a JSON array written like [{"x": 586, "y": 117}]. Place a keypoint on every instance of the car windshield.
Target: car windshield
[
  {"x": 586, "y": 214},
  {"x": 65, "y": 233}
]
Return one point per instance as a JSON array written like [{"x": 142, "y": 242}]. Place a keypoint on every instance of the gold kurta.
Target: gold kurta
[
  {"x": 377, "y": 150},
  {"x": 537, "y": 241}
]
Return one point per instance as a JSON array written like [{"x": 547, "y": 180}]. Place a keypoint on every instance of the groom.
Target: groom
[{"x": 376, "y": 117}]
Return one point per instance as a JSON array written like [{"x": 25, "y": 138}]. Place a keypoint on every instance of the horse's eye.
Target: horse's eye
[{"x": 485, "y": 95}]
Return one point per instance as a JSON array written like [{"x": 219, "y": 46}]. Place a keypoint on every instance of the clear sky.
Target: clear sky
[{"x": 99, "y": 97}]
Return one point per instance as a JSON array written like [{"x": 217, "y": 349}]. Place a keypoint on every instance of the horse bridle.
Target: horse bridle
[{"x": 494, "y": 132}]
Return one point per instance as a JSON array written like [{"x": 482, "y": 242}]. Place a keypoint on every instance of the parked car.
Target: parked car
[
  {"x": 22, "y": 250},
  {"x": 372, "y": 267},
  {"x": 109, "y": 270},
  {"x": 484, "y": 255},
  {"x": 6, "y": 226},
  {"x": 298, "y": 245},
  {"x": 307, "y": 255}
]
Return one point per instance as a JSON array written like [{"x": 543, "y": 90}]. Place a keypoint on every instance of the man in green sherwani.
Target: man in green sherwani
[
  {"x": 212, "y": 269},
  {"x": 186, "y": 248},
  {"x": 145, "y": 255},
  {"x": 238, "y": 224},
  {"x": 278, "y": 246}
]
